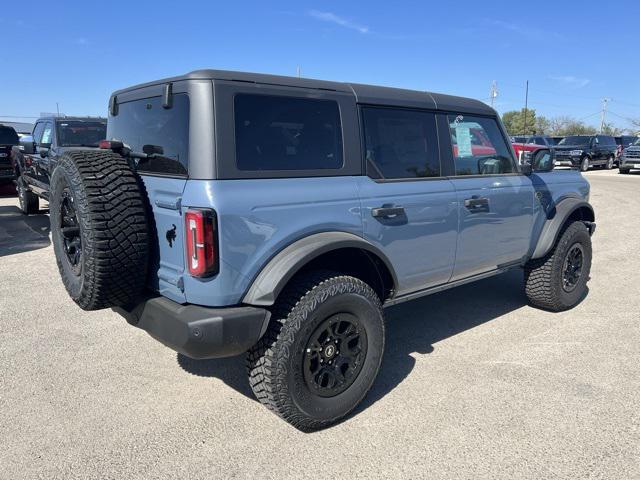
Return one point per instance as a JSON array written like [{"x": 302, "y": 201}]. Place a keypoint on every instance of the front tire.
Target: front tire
[
  {"x": 558, "y": 281},
  {"x": 322, "y": 351},
  {"x": 29, "y": 202},
  {"x": 584, "y": 164}
]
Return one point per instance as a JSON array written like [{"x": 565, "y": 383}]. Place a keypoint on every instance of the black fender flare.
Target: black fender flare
[
  {"x": 557, "y": 218},
  {"x": 273, "y": 277}
]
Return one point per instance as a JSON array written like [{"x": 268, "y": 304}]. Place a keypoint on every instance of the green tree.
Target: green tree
[{"x": 514, "y": 121}]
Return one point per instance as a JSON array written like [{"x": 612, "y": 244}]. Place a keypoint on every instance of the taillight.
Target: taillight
[{"x": 201, "y": 238}]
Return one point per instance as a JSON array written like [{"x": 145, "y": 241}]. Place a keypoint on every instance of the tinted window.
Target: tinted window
[
  {"x": 539, "y": 141},
  {"x": 145, "y": 122},
  {"x": 285, "y": 133},
  {"x": 605, "y": 140},
  {"x": 47, "y": 133},
  {"x": 478, "y": 146},
  {"x": 81, "y": 133},
  {"x": 575, "y": 140},
  {"x": 400, "y": 143},
  {"x": 37, "y": 132},
  {"x": 8, "y": 136}
]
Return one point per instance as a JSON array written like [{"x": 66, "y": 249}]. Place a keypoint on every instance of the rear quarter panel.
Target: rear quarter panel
[{"x": 259, "y": 217}]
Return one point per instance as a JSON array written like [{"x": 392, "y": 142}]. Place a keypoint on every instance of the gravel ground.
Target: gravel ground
[{"x": 475, "y": 383}]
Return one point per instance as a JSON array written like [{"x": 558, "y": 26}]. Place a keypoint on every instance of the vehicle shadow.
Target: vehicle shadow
[
  {"x": 21, "y": 233},
  {"x": 411, "y": 328}
]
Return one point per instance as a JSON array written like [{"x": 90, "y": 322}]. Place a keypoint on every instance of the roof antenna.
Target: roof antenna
[{"x": 58, "y": 108}]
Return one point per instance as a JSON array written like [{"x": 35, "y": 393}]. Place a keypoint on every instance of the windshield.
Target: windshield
[
  {"x": 575, "y": 140},
  {"x": 8, "y": 136},
  {"x": 637, "y": 142},
  {"x": 81, "y": 133}
]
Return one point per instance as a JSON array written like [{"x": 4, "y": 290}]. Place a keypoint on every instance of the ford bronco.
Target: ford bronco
[{"x": 231, "y": 212}]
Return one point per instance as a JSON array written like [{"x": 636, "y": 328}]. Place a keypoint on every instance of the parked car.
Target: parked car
[
  {"x": 282, "y": 217},
  {"x": 8, "y": 139},
  {"x": 37, "y": 155},
  {"x": 630, "y": 159},
  {"x": 623, "y": 142},
  {"x": 585, "y": 151},
  {"x": 525, "y": 151},
  {"x": 542, "y": 140}
]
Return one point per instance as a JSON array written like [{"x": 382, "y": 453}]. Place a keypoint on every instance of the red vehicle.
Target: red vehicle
[{"x": 524, "y": 151}]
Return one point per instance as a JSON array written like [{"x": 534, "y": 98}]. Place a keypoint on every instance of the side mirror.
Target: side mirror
[
  {"x": 526, "y": 169},
  {"x": 542, "y": 160},
  {"x": 43, "y": 149},
  {"x": 27, "y": 147}
]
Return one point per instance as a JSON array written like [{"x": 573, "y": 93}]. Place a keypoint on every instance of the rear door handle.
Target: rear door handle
[
  {"x": 387, "y": 212},
  {"x": 477, "y": 204}
]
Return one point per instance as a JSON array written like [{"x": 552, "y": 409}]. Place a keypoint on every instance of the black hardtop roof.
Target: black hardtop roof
[{"x": 363, "y": 93}]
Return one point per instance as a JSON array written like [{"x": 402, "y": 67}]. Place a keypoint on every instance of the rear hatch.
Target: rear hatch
[
  {"x": 145, "y": 126},
  {"x": 8, "y": 138}
]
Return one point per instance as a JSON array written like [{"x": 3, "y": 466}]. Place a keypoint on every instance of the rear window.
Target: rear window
[
  {"x": 287, "y": 133},
  {"x": 8, "y": 136},
  {"x": 80, "y": 133},
  {"x": 145, "y": 122}
]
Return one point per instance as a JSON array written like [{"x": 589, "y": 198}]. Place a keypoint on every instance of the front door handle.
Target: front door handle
[
  {"x": 387, "y": 212},
  {"x": 477, "y": 204}
]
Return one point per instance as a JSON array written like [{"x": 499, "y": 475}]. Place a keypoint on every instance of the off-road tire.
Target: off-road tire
[
  {"x": 28, "y": 201},
  {"x": 544, "y": 276},
  {"x": 275, "y": 364},
  {"x": 112, "y": 218}
]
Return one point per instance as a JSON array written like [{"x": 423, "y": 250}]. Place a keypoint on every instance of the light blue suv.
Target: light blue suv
[{"x": 229, "y": 212}]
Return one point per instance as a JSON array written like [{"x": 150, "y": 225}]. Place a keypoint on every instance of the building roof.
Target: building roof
[{"x": 363, "y": 93}]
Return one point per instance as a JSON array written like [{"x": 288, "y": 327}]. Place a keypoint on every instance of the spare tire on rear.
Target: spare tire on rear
[{"x": 99, "y": 228}]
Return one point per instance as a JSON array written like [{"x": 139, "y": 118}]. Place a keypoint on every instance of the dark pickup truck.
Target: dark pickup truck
[
  {"x": 8, "y": 139},
  {"x": 37, "y": 156}
]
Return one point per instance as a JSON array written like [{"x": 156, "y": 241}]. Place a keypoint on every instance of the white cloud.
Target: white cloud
[
  {"x": 82, "y": 41},
  {"x": 570, "y": 80},
  {"x": 337, "y": 20}
]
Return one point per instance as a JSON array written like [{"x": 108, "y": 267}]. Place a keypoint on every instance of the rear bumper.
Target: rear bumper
[{"x": 199, "y": 332}]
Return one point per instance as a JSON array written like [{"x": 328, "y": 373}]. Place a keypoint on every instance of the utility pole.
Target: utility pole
[
  {"x": 298, "y": 71},
  {"x": 494, "y": 92},
  {"x": 605, "y": 101},
  {"x": 526, "y": 107}
]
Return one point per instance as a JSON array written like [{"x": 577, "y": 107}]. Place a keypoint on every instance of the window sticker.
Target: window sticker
[
  {"x": 46, "y": 136},
  {"x": 463, "y": 139}
]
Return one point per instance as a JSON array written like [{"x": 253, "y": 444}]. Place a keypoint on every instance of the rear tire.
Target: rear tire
[
  {"x": 99, "y": 229},
  {"x": 321, "y": 352},
  {"x": 29, "y": 202},
  {"x": 610, "y": 162},
  {"x": 558, "y": 281}
]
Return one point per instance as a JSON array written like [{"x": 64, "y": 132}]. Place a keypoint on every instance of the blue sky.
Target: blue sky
[{"x": 77, "y": 53}]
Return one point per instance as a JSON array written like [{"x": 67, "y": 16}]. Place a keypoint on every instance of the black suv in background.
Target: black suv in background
[
  {"x": 8, "y": 139},
  {"x": 584, "y": 151},
  {"x": 38, "y": 154}
]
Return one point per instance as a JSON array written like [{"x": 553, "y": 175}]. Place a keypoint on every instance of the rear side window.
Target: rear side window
[
  {"x": 478, "y": 146},
  {"x": 145, "y": 122},
  {"x": 400, "y": 143},
  {"x": 8, "y": 136},
  {"x": 287, "y": 133}
]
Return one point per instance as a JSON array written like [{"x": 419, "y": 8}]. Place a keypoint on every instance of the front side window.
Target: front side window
[
  {"x": 46, "y": 134},
  {"x": 400, "y": 143},
  {"x": 145, "y": 126},
  {"x": 478, "y": 146},
  {"x": 287, "y": 133},
  {"x": 81, "y": 133},
  {"x": 37, "y": 132}
]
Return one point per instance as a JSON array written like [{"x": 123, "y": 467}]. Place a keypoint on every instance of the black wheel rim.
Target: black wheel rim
[
  {"x": 334, "y": 355},
  {"x": 572, "y": 270},
  {"x": 70, "y": 229}
]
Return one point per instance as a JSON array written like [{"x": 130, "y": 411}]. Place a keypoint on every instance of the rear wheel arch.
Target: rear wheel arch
[{"x": 342, "y": 252}]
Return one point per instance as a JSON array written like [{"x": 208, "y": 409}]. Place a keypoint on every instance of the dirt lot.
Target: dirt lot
[{"x": 475, "y": 383}]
